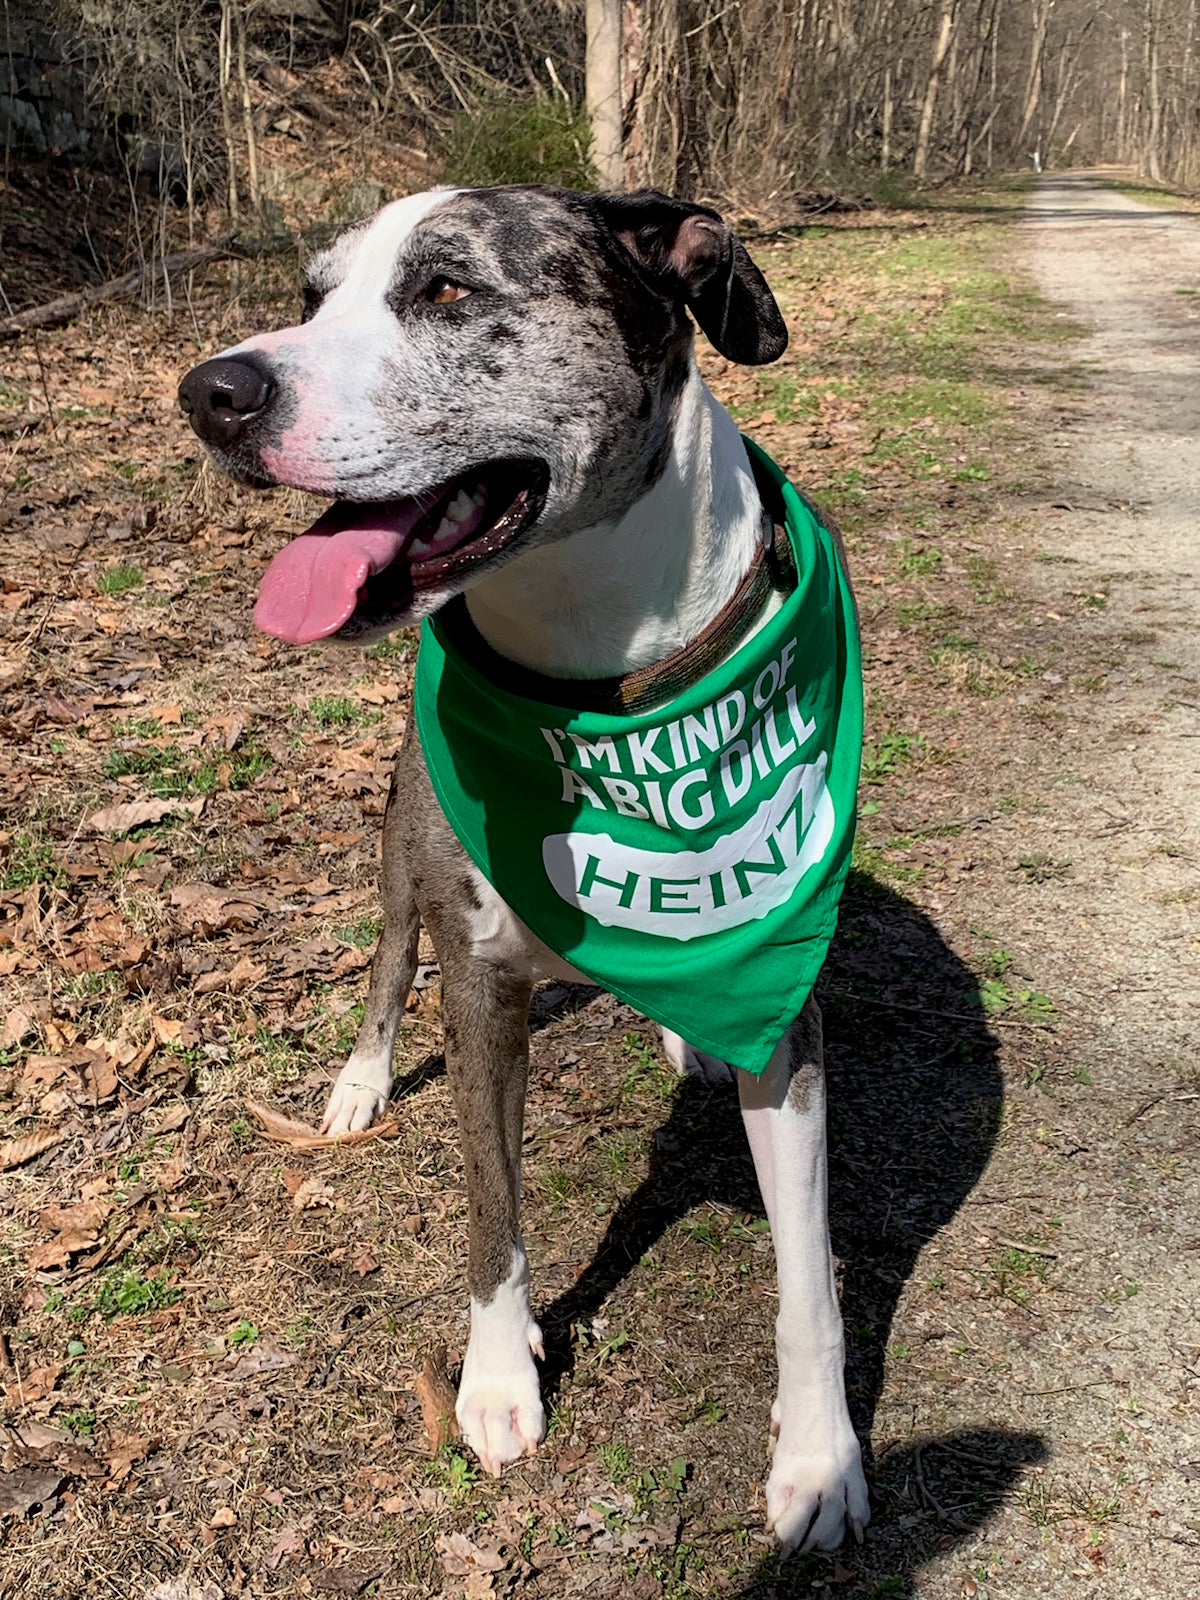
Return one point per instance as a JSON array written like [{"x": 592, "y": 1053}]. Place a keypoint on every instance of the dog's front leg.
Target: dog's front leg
[
  {"x": 485, "y": 1007},
  {"x": 816, "y": 1489}
]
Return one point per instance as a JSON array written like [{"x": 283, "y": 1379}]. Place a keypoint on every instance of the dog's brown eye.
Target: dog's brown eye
[{"x": 442, "y": 292}]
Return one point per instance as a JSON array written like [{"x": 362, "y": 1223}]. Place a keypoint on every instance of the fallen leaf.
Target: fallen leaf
[
  {"x": 366, "y": 1263},
  {"x": 16, "y": 1152},
  {"x": 130, "y": 1448},
  {"x": 17, "y": 1025},
  {"x": 49, "y": 1257},
  {"x": 41, "y": 1071},
  {"x": 208, "y": 909},
  {"x": 172, "y": 1119},
  {"x": 223, "y": 1517},
  {"x": 287, "y": 1130},
  {"x": 66, "y": 710},
  {"x": 138, "y": 813},
  {"x": 436, "y": 1395},
  {"x": 85, "y": 1217},
  {"x": 312, "y": 1192},
  {"x": 183, "y": 1589},
  {"x": 35, "y": 1384},
  {"x": 34, "y": 1436},
  {"x": 461, "y": 1555},
  {"x": 265, "y": 1356},
  {"x": 289, "y": 1543},
  {"x": 26, "y": 1487}
]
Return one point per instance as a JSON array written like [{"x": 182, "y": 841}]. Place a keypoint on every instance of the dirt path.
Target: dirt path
[
  {"x": 1130, "y": 473},
  {"x": 1111, "y": 832}
]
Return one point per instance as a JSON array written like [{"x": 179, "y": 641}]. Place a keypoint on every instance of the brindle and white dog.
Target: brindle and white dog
[{"x": 498, "y": 387}]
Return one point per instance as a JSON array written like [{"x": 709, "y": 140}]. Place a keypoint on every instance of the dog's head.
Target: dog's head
[{"x": 476, "y": 371}]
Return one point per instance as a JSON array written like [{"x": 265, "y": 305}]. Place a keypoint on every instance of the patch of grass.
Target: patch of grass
[
  {"x": 242, "y": 1333},
  {"x": 645, "y": 1071},
  {"x": 124, "y": 1293},
  {"x": 558, "y": 1184},
  {"x": 29, "y": 860},
  {"x": 339, "y": 711},
  {"x": 1029, "y": 1005},
  {"x": 362, "y": 933},
  {"x": 918, "y": 561},
  {"x": 81, "y": 1423},
  {"x": 396, "y": 647},
  {"x": 653, "y": 1485},
  {"x": 619, "y": 1152},
  {"x": 886, "y": 756},
  {"x": 454, "y": 1472},
  {"x": 119, "y": 579},
  {"x": 1012, "y": 1274},
  {"x": 173, "y": 772},
  {"x": 1147, "y": 195}
]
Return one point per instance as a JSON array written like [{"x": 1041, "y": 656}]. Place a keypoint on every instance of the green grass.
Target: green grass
[
  {"x": 170, "y": 772},
  {"x": 396, "y": 647},
  {"x": 1149, "y": 195},
  {"x": 125, "y": 1293},
  {"x": 29, "y": 860},
  {"x": 333, "y": 711},
  {"x": 119, "y": 579},
  {"x": 884, "y": 758}
]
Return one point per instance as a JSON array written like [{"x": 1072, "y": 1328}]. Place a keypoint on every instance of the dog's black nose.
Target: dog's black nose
[{"x": 220, "y": 397}]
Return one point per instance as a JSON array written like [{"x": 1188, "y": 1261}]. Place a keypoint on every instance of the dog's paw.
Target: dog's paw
[
  {"x": 816, "y": 1497},
  {"x": 358, "y": 1098},
  {"x": 693, "y": 1063},
  {"x": 499, "y": 1405}
]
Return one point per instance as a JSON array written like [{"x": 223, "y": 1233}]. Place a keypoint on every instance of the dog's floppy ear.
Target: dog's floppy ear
[{"x": 689, "y": 252}]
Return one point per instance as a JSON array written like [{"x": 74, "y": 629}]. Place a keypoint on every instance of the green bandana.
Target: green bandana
[{"x": 689, "y": 859}]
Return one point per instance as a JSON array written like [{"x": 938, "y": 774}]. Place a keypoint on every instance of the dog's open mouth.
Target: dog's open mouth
[{"x": 362, "y": 563}]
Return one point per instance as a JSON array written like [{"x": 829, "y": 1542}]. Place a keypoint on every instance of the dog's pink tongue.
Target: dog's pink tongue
[{"x": 311, "y": 588}]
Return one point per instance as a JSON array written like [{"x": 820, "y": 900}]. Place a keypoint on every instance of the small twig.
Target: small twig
[
  {"x": 933, "y": 1504},
  {"x": 1030, "y": 1249},
  {"x": 952, "y": 1016},
  {"x": 1157, "y": 1099},
  {"x": 1067, "y": 1388},
  {"x": 67, "y": 305}
]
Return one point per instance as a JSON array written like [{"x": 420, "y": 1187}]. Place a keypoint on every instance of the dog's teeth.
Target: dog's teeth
[
  {"x": 479, "y": 499},
  {"x": 459, "y": 507},
  {"x": 421, "y": 547}
]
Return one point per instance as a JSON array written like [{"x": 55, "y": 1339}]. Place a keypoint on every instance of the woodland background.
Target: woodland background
[{"x": 236, "y": 109}]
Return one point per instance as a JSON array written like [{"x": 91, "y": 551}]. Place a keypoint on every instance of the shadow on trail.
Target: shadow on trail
[{"x": 915, "y": 1097}]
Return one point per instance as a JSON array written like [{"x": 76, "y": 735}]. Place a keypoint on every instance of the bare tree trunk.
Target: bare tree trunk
[
  {"x": 941, "y": 49},
  {"x": 1037, "y": 55},
  {"x": 252, "y": 183},
  {"x": 1152, "y": 154},
  {"x": 224, "y": 73},
  {"x": 603, "y": 80},
  {"x": 885, "y": 148}
]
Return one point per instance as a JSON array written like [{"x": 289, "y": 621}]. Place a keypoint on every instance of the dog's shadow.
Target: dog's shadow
[{"x": 915, "y": 1097}]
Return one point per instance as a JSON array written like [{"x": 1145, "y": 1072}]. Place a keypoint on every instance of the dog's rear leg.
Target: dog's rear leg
[
  {"x": 816, "y": 1491},
  {"x": 362, "y": 1087},
  {"x": 485, "y": 1007}
]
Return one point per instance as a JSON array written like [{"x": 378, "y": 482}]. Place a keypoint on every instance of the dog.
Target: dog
[{"x": 499, "y": 390}]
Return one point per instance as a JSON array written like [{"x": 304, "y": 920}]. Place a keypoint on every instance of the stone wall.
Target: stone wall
[{"x": 42, "y": 101}]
